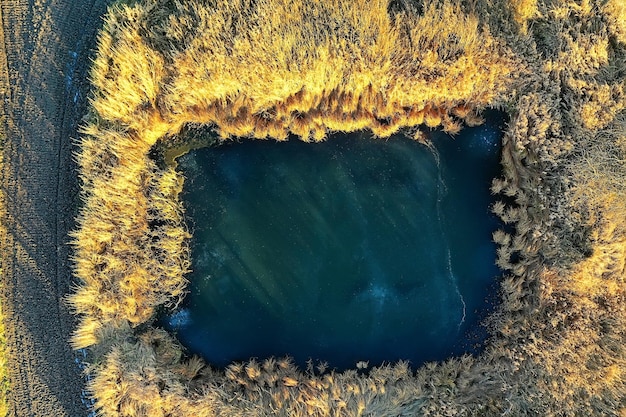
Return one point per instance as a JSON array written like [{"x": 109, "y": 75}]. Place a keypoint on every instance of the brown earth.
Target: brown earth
[{"x": 45, "y": 47}]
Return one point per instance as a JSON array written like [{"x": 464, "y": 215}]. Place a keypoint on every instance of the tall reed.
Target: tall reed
[{"x": 268, "y": 68}]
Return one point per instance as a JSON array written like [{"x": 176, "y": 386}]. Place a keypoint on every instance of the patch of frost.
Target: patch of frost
[
  {"x": 181, "y": 318},
  {"x": 85, "y": 397}
]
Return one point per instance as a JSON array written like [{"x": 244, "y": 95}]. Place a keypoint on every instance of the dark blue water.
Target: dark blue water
[{"x": 352, "y": 249}]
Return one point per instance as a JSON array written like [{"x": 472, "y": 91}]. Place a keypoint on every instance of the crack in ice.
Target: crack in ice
[{"x": 442, "y": 190}]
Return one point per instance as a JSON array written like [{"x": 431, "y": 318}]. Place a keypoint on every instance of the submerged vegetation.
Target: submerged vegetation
[{"x": 267, "y": 68}]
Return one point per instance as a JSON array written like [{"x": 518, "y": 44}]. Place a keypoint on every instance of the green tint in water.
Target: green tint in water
[{"x": 352, "y": 249}]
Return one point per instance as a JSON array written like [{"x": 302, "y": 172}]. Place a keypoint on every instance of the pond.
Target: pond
[{"x": 354, "y": 249}]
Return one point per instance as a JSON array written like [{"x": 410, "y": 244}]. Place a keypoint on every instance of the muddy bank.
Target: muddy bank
[{"x": 45, "y": 48}]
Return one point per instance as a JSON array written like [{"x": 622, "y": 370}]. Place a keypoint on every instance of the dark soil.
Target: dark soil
[{"x": 45, "y": 47}]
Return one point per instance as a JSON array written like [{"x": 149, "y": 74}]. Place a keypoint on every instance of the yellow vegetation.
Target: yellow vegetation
[
  {"x": 4, "y": 377},
  {"x": 270, "y": 68},
  {"x": 523, "y": 10},
  {"x": 616, "y": 10},
  {"x": 281, "y": 72}
]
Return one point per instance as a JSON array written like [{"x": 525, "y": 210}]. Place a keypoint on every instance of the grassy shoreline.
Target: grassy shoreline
[
  {"x": 277, "y": 67},
  {"x": 4, "y": 373}
]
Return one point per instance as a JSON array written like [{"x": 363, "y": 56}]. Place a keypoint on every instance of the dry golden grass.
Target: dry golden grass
[
  {"x": 615, "y": 10},
  {"x": 268, "y": 68},
  {"x": 523, "y": 11},
  {"x": 4, "y": 375}
]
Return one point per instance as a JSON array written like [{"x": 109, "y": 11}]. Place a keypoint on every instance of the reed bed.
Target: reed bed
[{"x": 269, "y": 68}]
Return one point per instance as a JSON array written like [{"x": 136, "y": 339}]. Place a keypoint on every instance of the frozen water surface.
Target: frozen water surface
[{"x": 352, "y": 249}]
